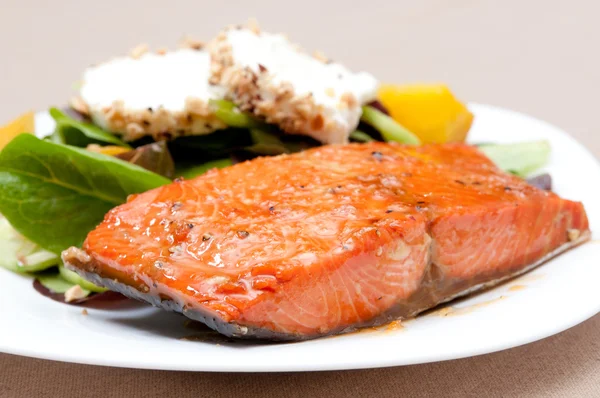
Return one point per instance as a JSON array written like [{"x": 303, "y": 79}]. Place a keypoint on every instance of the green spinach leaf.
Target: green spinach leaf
[
  {"x": 55, "y": 194},
  {"x": 72, "y": 132}
]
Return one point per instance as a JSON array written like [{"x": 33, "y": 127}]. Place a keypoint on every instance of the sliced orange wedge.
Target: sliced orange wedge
[
  {"x": 23, "y": 124},
  {"x": 430, "y": 111}
]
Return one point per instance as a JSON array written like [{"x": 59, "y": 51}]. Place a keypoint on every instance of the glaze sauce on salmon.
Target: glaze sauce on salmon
[{"x": 327, "y": 240}]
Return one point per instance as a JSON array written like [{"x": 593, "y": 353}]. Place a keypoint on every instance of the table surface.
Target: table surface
[{"x": 534, "y": 56}]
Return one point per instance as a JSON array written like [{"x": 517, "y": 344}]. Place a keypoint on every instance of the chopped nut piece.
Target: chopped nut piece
[
  {"x": 139, "y": 50},
  {"x": 134, "y": 130},
  {"x": 84, "y": 312},
  {"x": 320, "y": 56},
  {"x": 189, "y": 42},
  {"x": 79, "y": 105},
  {"x": 252, "y": 25},
  {"x": 349, "y": 99},
  {"x": 74, "y": 293},
  {"x": 573, "y": 234}
]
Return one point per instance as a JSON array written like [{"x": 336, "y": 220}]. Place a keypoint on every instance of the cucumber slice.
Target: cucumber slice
[
  {"x": 361, "y": 136},
  {"x": 54, "y": 282},
  {"x": 75, "y": 279},
  {"x": 39, "y": 261},
  {"x": 19, "y": 254}
]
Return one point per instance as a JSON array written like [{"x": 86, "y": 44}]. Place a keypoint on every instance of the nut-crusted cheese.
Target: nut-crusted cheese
[
  {"x": 266, "y": 74},
  {"x": 162, "y": 94}
]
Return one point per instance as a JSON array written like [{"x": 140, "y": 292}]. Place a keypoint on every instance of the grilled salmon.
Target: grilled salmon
[{"x": 327, "y": 240}]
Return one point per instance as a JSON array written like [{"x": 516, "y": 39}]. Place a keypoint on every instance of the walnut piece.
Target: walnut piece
[{"x": 74, "y": 293}]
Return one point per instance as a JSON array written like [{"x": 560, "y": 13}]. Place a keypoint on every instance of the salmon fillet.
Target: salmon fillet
[{"x": 327, "y": 240}]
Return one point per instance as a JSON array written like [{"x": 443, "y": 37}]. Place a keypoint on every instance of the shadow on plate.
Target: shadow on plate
[{"x": 175, "y": 326}]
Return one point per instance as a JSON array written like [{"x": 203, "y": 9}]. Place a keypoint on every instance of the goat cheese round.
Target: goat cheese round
[
  {"x": 163, "y": 95},
  {"x": 266, "y": 74}
]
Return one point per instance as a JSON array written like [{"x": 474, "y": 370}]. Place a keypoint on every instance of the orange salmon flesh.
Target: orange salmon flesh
[{"x": 327, "y": 240}]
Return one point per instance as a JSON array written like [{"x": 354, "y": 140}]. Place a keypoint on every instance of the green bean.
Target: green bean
[
  {"x": 226, "y": 112},
  {"x": 222, "y": 104},
  {"x": 191, "y": 171},
  {"x": 361, "y": 136},
  {"x": 388, "y": 127},
  {"x": 266, "y": 143}
]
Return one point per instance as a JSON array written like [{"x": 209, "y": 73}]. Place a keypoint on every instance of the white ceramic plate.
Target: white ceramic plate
[{"x": 548, "y": 300}]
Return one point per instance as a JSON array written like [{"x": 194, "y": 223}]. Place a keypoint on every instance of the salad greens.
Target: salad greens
[
  {"x": 228, "y": 113},
  {"x": 191, "y": 171},
  {"x": 54, "y": 282},
  {"x": 72, "y": 132},
  {"x": 55, "y": 194},
  {"x": 19, "y": 254},
  {"x": 266, "y": 143},
  {"x": 521, "y": 158},
  {"x": 360, "y": 136},
  {"x": 388, "y": 127}
]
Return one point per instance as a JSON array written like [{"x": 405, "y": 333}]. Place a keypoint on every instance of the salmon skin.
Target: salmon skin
[{"x": 327, "y": 240}]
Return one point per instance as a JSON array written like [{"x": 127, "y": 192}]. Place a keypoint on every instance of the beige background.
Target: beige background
[{"x": 535, "y": 56}]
